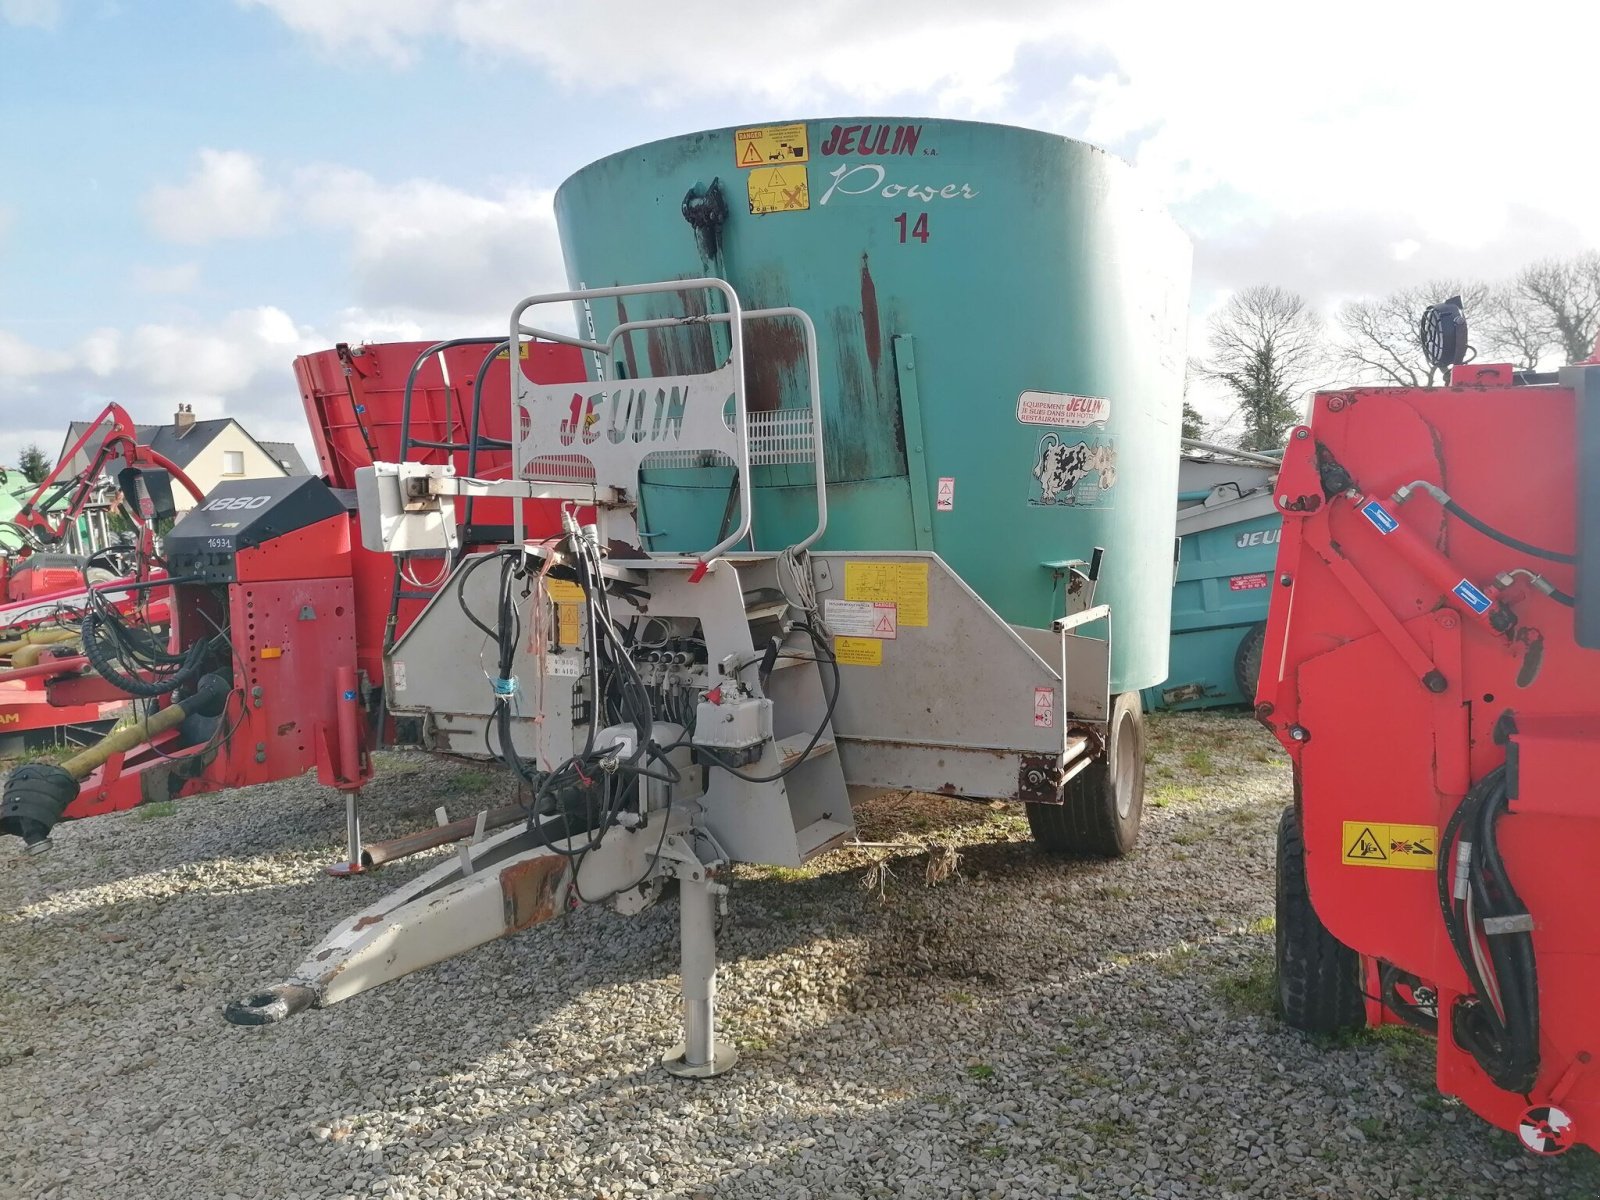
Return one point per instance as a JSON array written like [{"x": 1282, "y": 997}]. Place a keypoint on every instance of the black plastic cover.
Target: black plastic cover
[
  {"x": 242, "y": 513},
  {"x": 1585, "y": 384}
]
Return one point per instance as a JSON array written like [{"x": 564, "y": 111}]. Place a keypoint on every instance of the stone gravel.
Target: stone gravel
[{"x": 1023, "y": 1026}]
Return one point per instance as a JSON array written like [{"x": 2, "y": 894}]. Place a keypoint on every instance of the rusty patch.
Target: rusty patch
[
  {"x": 686, "y": 349},
  {"x": 628, "y": 354},
  {"x": 1036, "y": 780},
  {"x": 869, "y": 315},
  {"x": 365, "y": 922},
  {"x": 949, "y": 789},
  {"x": 530, "y": 890},
  {"x": 774, "y": 351},
  {"x": 286, "y": 727}
]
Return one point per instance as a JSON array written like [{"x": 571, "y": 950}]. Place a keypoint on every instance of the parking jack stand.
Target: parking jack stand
[
  {"x": 700, "y": 1055},
  {"x": 352, "y": 828}
]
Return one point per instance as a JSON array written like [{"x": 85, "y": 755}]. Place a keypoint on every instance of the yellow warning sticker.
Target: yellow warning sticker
[
  {"x": 522, "y": 351},
  {"x": 770, "y": 145},
  {"x": 778, "y": 189},
  {"x": 903, "y": 584},
  {"x": 1406, "y": 847},
  {"x": 568, "y": 599},
  {"x": 858, "y": 652}
]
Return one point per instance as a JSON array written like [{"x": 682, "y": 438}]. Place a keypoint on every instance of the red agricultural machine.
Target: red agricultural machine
[
  {"x": 265, "y": 656},
  {"x": 62, "y": 549},
  {"x": 1428, "y": 667}
]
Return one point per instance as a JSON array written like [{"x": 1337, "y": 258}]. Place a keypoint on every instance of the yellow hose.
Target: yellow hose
[
  {"x": 31, "y": 655},
  {"x": 82, "y": 764},
  {"x": 37, "y": 637}
]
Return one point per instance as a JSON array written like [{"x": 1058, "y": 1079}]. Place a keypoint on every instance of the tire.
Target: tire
[
  {"x": 1103, "y": 804},
  {"x": 1318, "y": 977},
  {"x": 1247, "y": 661}
]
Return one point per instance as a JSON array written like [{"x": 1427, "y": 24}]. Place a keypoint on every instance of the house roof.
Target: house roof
[
  {"x": 180, "y": 446},
  {"x": 286, "y": 454},
  {"x": 183, "y": 446}
]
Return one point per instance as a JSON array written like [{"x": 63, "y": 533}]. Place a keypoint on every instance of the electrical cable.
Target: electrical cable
[
  {"x": 833, "y": 698},
  {"x": 1498, "y": 1023}
]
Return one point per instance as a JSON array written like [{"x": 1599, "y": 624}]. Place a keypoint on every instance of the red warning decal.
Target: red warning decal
[{"x": 1044, "y": 708}]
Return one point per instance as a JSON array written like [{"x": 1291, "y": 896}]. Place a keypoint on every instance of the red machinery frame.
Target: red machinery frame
[
  {"x": 309, "y": 611},
  {"x": 1409, "y": 655}
]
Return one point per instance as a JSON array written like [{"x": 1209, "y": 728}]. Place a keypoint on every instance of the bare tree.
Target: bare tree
[
  {"x": 1551, "y": 305},
  {"x": 1509, "y": 328},
  {"x": 1382, "y": 342},
  {"x": 1266, "y": 348}
]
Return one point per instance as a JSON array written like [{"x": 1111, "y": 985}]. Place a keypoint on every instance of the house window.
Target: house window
[{"x": 233, "y": 462}]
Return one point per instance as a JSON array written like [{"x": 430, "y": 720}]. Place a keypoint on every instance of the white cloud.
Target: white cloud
[
  {"x": 389, "y": 28},
  {"x": 225, "y": 196},
  {"x": 426, "y": 247},
  {"x": 167, "y": 281},
  {"x": 36, "y": 14},
  {"x": 770, "y": 52},
  {"x": 21, "y": 361},
  {"x": 238, "y": 366}
]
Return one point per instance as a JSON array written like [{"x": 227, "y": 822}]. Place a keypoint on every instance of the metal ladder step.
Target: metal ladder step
[{"x": 793, "y": 748}]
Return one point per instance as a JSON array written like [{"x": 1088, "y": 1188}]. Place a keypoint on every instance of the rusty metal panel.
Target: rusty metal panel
[{"x": 532, "y": 891}]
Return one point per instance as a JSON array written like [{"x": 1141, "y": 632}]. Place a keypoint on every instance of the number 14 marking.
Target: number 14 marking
[{"x": 918, "y": 231}]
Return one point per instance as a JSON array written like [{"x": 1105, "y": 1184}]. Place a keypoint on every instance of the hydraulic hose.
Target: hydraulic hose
[{"x": 1454, "y": 509}]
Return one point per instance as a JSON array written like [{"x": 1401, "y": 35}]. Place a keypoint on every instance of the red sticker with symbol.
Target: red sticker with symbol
[{"x": 1044, "y": 708}]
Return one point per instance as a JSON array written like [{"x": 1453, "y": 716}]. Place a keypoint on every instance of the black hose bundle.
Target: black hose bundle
[
  {"x": 603, "y": 778},
  {"x": 123, "y": 652},
  {"x": 1491, "y": 932}
]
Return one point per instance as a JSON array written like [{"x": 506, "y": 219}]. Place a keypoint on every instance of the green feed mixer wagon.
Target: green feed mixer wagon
[{"x": 871, "y": 485}]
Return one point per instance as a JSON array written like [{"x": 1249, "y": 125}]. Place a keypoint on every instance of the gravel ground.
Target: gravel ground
[{"x": 1023, "y": 1027}]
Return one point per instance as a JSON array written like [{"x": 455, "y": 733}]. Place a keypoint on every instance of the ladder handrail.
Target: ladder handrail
[
  {"x": 735, "y": 364},
  {"x": 813, "y": 371},
  {"x": 411, "y": 379}
]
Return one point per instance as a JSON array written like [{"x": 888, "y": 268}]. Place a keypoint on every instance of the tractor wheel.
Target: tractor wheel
[
  {"x": 1100, "y": 815},
  {"x": 1247, "y": 660},
  {"x": 1319, "y": 978}
]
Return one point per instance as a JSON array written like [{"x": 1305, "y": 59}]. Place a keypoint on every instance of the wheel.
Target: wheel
[
  {"x": 1319, "y": 978},
  {"x": 1104, "y": 801},
  {"x": 1247, "y": 660},
  {"x": 120, "y": 560}
]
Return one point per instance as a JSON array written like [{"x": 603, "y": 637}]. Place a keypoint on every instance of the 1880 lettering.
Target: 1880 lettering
[{"x": 231, "y": 502}]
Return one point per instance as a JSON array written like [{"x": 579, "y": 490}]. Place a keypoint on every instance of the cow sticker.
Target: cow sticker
[{"x": 1073, "y": 471}]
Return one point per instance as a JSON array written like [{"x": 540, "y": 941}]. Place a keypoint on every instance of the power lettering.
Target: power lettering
[{"x": 862, "y": 178}]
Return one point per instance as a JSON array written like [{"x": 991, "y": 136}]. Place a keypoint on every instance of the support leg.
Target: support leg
[
  {"x": 700, "y": 1055},
  {"x": 352, "y": 829}
]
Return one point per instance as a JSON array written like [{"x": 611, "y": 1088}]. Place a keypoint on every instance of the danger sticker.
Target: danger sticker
[
  {"x": 1061, "y": 410},
  {"x": 778, "y": 189},
  {"x": 1406, "y": 847},
  {"x": 1044, "y": 708},
  {"x": 858, "y": 652},
  {"x": 770, "y": 145},
  {"x": 1247, "y": 583},
  {"x": 863, "y": 619},
  {"x": 947, "y": 494}
]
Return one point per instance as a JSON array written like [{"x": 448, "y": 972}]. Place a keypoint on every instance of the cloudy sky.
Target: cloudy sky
[{"x": 192, "y": 192}]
